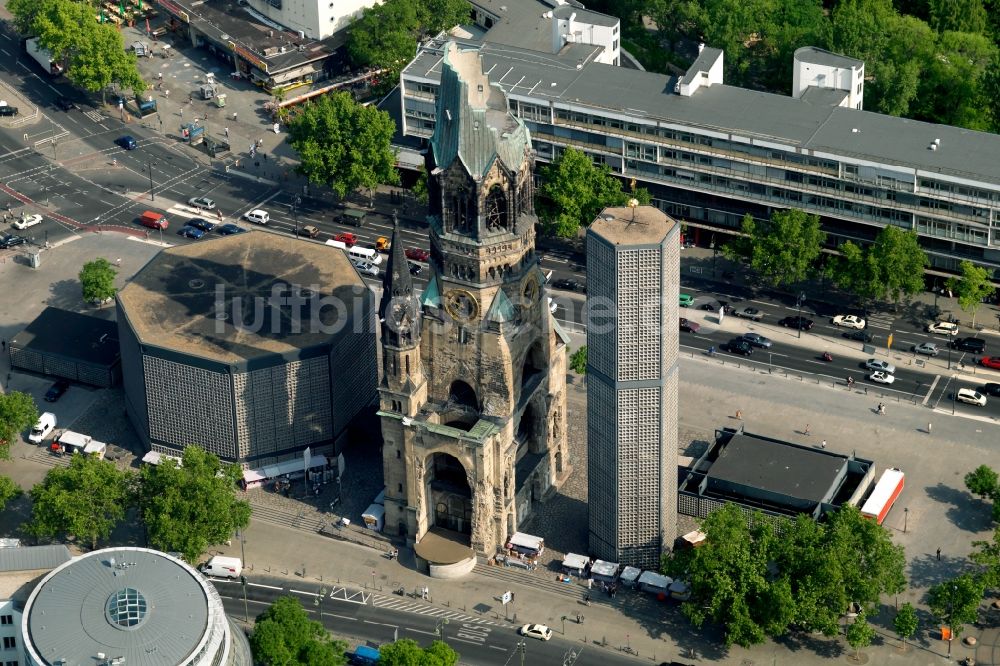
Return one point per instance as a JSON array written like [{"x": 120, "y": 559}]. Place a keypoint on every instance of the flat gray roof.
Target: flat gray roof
[
  {"x": 68, "y": 620},
  {"x": 728, "y": 110},
  {"x": 31, "y": 558},
  {"x": 172, "y": 302},
  {"x": 823, "y": 57},
  {"x": 643, "y": 225}
]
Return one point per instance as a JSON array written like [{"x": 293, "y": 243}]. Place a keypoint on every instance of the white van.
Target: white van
[
  {"x": 46, "y": 424},
  {"x": 223, "y": 567},
  {"x": 337, "y": 244},
  {"x": 365, "y": 254},
  {"x": 257, "y": 216}
]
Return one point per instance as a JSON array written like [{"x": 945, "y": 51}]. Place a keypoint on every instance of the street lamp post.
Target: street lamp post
[
  {"x": 801, "y": 300},
  {"x": 152, "y": 194},
  {"x": 246, "y": 606},
  {"x": 318, "y": 602},
  {"x": 906, "y": 515},
  {"x": 295, "y": 213},
  {"x": 439, "y": 629},
  {"x": 951, "y": 623}
]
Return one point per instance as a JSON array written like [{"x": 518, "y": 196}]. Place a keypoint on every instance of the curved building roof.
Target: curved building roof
[
  {"x": 276, "y": 288},
  {"x": 124, "y": 606}
]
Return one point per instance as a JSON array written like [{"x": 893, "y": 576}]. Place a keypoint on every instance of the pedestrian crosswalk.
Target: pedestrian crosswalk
[
  {"x": 94, "y": 115},
  {"x": 186, "y": 212},
  {"x": 408, "y": 605}
]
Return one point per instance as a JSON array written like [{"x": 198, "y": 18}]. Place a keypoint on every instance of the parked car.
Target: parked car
[
  {"x": 414, "y": 253},
  {"x": 974, "y": 345},
  {"x": 971, "y": 397},
  {"x": 990, "y": 362},
  {"x": 191, "y": 232},
  {"x": 56, "y": 390},
  {"x": 65, "y": 103},
  {"x": 926, "y": 349},
  {"x": 800, "y": 323},
  {"x": 309, "y": 231},
  {"x": 201, "y": 223},
  {"x": 943, "y": 328},
  {"x": 201, "y": 202},
  {"x": 10, "y": 240},
  {"x": 8, "y": 110},
  {"x": 860, "y": 336},
  {"x": 849, "y": 321},
  {"x": 752, "y": 314},
  {"x": 882, "y": 377},
  {"x": 230, "y": 229},
  {"x": 347, "y": 238},
  {"x": 690, "y": 326},
  {"x": 127, "y": 142},
  {"x": 686, "y": 300},
  {"x": 992, "y": 388},
  {"x": 757, "y": 340},
  {"x": 881, "y": 366},
  {"x": 539, "y": 631},
  {"x": 383, "y": 244},
  {"x": 566, "y": 284},
  {"x": 27, "y": 221},
  {"x": 740, "y": 346}
]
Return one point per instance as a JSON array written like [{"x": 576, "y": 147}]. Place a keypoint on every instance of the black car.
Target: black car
[
  {"x": 201, "y": 223},
  {"x": 740, "y": 346},
  {"x": 566, "y": 284},
  {"x": 11, "y": 240},
  {"x": 56, "y": 390},
  {"x": 728, "y": 275},
  {"x": 713, "y": 306},
  {"x": 230, "y": 229},
  {"x": 7, "y": 110},
  {"x": 860, "y": 336},
  {"x": 974, "y": 345},
  {"x": 65, "y": 103},
  {"x": 992, "y": 389},
  {"x": 415, "y": 269},
  {"x": 800, "y": 323}
]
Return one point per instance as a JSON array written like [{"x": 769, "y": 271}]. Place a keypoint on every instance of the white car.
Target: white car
[
  {"x": 257, "y": 216},
  {"x": 203, "y": 203},
  {"x": 849, "y": 321},
  {"x": 553, "y": 306},
  {"x": 880, "y": 366},
  {"x": 943, "y": 328},
  {"x": 882, "y": 378},
  {"x": 971, "y": 397},
  {"x": 366, "y": 268},
  {"x": 539, "y": 631},
  {"x": 27, "y": 221}
]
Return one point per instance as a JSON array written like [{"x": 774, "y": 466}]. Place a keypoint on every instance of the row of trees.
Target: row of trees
[
  {"x": 934, "y": 60},
  {"x": 184, "y": 507},
  {"x": 763, "y": 581},
  {"x": 284, "y": 635},
  {"x": 94, "y": 53}
]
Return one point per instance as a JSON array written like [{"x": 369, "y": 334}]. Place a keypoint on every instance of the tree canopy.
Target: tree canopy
[
  {"x": 578, "y": 361},
  {"x": 755, "y": 583},
  {"x": 343, "y": 144},
  {"x": 17, "y": 413},
  {"x": 906, "y": 622},
  {"x": 987, "y": 556},
  {"x": 860, "y": 634},
  {"x": 955, "y": 602},
  {"x": 284, "y": 635},
  {"x": 8, "y": 491},
  {"x": 891, "y": 268},
  {"x": 782, "y": 250},
  {"x": 97, "y": 280},
  {"x": 574, "y": 190},
  {"x": 189, "y": 506},
  {"x": 85, "y": 500},
  {"x": 971, "y": 287},
  {"x": 982, "y": 481},
  {"x": 406, "y": 652}
]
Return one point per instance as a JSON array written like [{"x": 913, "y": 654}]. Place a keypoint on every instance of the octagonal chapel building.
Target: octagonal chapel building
[{"x": 473, "y": 388}]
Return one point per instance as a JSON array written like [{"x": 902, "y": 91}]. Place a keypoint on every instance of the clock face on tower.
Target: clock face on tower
[{"x": 461, "y": 305}]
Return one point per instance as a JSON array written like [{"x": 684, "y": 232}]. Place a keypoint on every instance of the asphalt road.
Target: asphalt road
[{"x": 352, "y": 613}]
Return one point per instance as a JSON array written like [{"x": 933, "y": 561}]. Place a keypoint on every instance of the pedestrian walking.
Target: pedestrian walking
[
  {"x": 118, "y": 261},
  {"x": 4, "y": 345},
  {"x": 939, "y": 554},
  {"x": 226, "y": 130},
  {"x": 234, "y": 115},
  {"x": 166, "y": 93},
  {"x": 739, "y": 414},
  {"x": 822, "y": 444},
  {"x": 806, "y": 431},
  {"x": 929, "y": 426}
]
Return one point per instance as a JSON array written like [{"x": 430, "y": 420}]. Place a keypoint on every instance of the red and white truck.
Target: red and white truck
[{"x": 43, "y": 57}]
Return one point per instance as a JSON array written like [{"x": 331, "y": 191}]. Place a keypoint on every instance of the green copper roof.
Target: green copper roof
[
  {"x": 474, "y": 124},
  {"x": 432, "y": 294},
  {"x": 502, "y": 310}
]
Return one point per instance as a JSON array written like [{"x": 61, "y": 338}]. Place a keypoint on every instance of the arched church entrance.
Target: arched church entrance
[{"x": 450, "y": 505}]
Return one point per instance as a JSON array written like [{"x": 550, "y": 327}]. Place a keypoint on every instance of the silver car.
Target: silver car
[
  {"x": 927, "y": 349},
  {"x": 757, "y": 340},
  {"x": 880, "y": 366}
]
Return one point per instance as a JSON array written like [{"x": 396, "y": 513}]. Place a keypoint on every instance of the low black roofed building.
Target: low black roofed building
[{"x": 71, "y": 345}]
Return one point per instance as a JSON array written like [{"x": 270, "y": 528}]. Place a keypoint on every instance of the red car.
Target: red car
[
  {"x": 689, "y": 326},
  {"x": 347, "y": 238},
  {"x": 990, "y": 362},
  {"x": 417, "y": 254}
]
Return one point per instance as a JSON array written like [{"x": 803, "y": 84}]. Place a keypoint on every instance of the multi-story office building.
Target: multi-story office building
[
  {"x": 633, "y": 266},
  {"x": 710, "y": 153}
]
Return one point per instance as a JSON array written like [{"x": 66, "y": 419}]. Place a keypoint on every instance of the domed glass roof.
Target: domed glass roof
[{"x": 126, "y": 608}]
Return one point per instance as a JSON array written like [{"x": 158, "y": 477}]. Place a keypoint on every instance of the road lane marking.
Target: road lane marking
[{"x": 931, "y": 388}]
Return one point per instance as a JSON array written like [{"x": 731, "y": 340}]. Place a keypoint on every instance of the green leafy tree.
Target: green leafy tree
[
  {"x": 782, "y": 250},
  {"x": 578, "y": 361},
  {"x": 958, "y": 15},
  {"x": 956, "y": 602},
  {"x": 987, "y": 556},
  {"x": 385, "y": 37},
  {"x": 407, "y": 652},
  {"x": 673, "y": 18},
  {"x": 438, "y": 15},
  {"x": 284, "y": 635},
  {"x": 574, "y": 190},
  {"x": 989, "y": 91},
  {"x": 905, "y": 623},
  {"x": 17, "y": 413},
  {"x": 420, "y": 189},
  {"x": 190, "y": 506},
  {"x": 982, "y": 481},
  {"x": 787, "y": 26},
  {"x": 343, "y": 144},
  {"x": 101, "y": 60},
  {"x": 860, "y": 634},
  {"x": 8, "y": 491},
  {"x": 971, "y": 288},
  {"x": 735, "y": 27},
  {"x": 85, "y": 500},
  {"x": 950, "y": 90},
  {"x": 899, "y": 263},
  {"x": 97, "y": 279}
]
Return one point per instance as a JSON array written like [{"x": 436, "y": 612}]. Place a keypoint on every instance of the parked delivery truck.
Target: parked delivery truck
[{"x": 43, "y": 57}]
